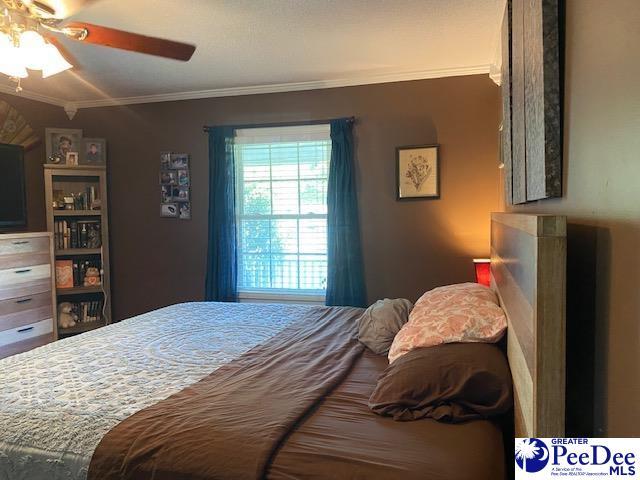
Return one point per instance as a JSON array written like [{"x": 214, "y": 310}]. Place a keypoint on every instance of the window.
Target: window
[{"x": 281, "y": 209}]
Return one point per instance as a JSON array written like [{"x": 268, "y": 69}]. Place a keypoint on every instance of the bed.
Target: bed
[{"x": 212, "y": 390}]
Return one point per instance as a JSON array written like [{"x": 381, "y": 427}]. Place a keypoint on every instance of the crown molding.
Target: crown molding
[
  {"x": 256, "y": 89},
  {"x": 286, "y": 87},
  {"x": 59, "y": 102}
]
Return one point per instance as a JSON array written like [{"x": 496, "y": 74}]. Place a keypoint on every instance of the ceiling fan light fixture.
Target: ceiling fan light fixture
[
  {"x": 54, "y": 62},
  {"x": 11, "y": 62},
  {"x": 32, "y": 49}
]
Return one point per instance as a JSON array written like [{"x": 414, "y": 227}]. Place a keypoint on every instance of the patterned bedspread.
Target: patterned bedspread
[{"x": 58, "y": 401}]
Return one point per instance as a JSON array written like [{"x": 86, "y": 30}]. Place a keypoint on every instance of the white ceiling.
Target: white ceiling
[{"x": 275, "y": 45}]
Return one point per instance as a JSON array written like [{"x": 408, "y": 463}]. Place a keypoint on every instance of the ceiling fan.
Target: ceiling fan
[{"x": 28, "y": 30}]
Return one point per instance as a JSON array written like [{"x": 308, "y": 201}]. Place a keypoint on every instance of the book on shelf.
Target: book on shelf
[
  {"x": 78, "y": 272},
  {"x": 69, "y": 234},
  {"x": 64, "y": 274},
  {"x": 88, "y": 311}
]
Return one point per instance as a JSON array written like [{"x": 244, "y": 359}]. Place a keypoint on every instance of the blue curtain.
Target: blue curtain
[
  {"x": 345, "y": 276},
  {"x": 221, "y": 275}
]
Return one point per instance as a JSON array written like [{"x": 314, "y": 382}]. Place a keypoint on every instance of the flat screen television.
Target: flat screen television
[{"x": 13, "y": 204}]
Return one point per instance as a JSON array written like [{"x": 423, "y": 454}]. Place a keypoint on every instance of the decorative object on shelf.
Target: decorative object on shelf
[
  {"x": 93, "y": 152},
  {"x": 418, "y": 172},
  {"x": 175, "y": 184},
  {"x": 482, "y": 268},
  {"x": 14, "y": 129},
  {"x": 72, "y": 158},
  {"x": 66, "y": 316},
  {"x": 59, "y": 142},
  {"x": 92, "y": 277}
]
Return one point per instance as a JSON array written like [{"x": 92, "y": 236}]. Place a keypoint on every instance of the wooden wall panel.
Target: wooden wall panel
[
  {"x": 505, "y": 85},
  {"x": 552, "y": 98},
  {"x": 536, "y": 150},
  {"x": 518, "y": 151},
  {"x": 534, "y": 100}
]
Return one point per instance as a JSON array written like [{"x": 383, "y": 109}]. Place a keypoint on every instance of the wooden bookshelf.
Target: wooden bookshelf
[
  {"x": 77, "y": 251},
  {"x": 79, "y": 290},
  {"x": 80, "y": 328},
  {"x": 76, "y": 213},
  {"x": 78, "y": 180}
]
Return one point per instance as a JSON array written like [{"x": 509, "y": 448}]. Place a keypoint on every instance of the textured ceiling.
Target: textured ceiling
[{"x": 245, "y": 43}]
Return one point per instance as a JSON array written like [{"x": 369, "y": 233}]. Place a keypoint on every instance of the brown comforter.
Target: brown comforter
[
  {"x": 229, "y": 425},
  {"x": 295, "y": 407}
]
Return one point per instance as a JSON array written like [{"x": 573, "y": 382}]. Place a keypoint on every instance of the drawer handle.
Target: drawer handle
[
  {"x": 26, "y": 329},
  {"x": 24, "y": 300},
  {"x": 24, "y": 270},
  {"x": 21, "y": 242}
]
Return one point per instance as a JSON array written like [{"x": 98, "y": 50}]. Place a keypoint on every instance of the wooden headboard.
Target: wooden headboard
[{"x": 528, "y": 264}]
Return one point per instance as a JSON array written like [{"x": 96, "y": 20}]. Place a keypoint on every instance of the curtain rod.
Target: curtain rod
[{"x": 207, "y": 128}]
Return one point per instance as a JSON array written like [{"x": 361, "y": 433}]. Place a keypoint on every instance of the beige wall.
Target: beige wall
[{"x": 602, "y": 200}]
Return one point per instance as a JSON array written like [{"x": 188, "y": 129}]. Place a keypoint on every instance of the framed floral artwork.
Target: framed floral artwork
[{"x": 418, "y": 172}]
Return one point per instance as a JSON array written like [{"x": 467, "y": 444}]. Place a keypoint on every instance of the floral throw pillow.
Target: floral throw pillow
[{"x": 464, "y": 312}]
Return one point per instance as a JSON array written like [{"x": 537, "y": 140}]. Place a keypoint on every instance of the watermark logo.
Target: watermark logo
[{"x": 532, "y": 454}]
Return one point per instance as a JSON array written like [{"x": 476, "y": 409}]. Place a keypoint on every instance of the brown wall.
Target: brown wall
[
  {"x": 409, "y": 247},
  {"x": 602, "y": 200}
]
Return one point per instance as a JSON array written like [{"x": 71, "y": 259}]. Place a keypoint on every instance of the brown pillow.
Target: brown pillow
[{"x": 451, "y": 383}]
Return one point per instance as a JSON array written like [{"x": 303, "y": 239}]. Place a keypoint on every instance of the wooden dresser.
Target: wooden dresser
[{"x": 27, "y": 292}]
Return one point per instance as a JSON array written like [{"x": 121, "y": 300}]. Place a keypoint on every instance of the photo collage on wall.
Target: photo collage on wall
[{"x": 175, "y": 185}]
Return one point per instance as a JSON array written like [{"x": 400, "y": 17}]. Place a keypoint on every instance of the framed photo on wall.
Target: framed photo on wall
[
  {"x": 59, "y": 142},
  {"x": 94, "y": 151},
  {"x": 169, "y": 210},
  {"x": 418, "y": 172}
]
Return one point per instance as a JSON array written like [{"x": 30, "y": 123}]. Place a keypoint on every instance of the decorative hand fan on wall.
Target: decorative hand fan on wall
[
  {"x": 14, "y": 129},
  {"x": 29, "y": 30}
]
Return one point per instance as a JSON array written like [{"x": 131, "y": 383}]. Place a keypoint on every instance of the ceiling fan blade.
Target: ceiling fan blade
[{"x": 110, "y": 37}]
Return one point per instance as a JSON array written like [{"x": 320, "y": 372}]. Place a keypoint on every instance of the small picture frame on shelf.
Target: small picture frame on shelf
[
  {"x": 168, "y": 177},
  {"x": 185, "y": 211},
  {"x": 72, "y": 159},
  {"x": 418, "y": 172},
  {"x": 169, "y": 210},
  {"x": 94, "y": 152},
  {"x": 59, "y": 142}
]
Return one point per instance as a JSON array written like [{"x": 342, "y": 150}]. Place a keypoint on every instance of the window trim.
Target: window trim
[
  {"x": 271, "y": 135},
  {"x": 282, "y": 296}
]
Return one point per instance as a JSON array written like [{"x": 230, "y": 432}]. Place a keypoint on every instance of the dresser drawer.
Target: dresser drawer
[
  {"x": 26, "y": 332},
  {"x": 20, "y": 260},
  {"x": 10, "y": 246},
  {"x": 18, "y": 312},
  {"x": 25, "y": 345},
  {"x": 24, "y": 281}
]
